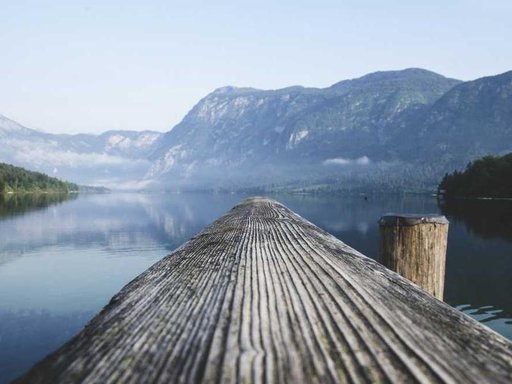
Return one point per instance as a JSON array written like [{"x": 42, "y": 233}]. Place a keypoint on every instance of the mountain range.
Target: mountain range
[
  {"x": 396, "y": 130},
  {"x": 115, "y": 158}
]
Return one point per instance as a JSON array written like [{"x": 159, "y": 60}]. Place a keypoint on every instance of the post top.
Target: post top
[{"x": 406, "y": 219}]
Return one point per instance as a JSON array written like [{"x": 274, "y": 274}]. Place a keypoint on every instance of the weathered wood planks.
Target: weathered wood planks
[{"x": 262, "y": 295}]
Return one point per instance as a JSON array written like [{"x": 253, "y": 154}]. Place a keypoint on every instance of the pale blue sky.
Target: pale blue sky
[{"x": 89, "y": 66}]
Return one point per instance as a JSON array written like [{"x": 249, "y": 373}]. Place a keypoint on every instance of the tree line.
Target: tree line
[
  {"x": 17, "y": 179},
  {"x": 490, "y": 176}
]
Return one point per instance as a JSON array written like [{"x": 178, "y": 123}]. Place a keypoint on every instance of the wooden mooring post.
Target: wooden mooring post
[
  {"x": 262, "y": 295},
  {"x": 415, "y": 247}
]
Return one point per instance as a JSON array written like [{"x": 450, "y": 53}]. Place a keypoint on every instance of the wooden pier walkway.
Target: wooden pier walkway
[{"x": 262, "y": 295}]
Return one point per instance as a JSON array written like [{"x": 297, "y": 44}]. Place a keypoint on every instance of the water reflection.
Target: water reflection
[
  {"x": 28, "y": 335},
  {"x": 479, "y": 263},
  {"x": 61, "y": 262},
  {"x": 353, "y": 219},
  {"x": 15, "y": 204},
  {"x": 488, "y": 219},
  {"x": 479, "y": 256}
]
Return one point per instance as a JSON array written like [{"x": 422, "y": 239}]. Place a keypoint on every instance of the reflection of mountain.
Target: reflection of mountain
[
  {"x": 114, "y": 223},
  {"x": 489, "y": 219},
  {"x": 15, "y": 204},
  {"x": 61, "y": 264},
  {"x": 91, "y": 220}
]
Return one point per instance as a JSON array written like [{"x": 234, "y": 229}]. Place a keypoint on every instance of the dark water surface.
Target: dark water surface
[{"x": 62, "y": 260}]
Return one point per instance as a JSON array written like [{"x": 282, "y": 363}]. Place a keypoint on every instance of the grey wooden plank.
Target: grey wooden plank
[{"x": 262, "y": 295}]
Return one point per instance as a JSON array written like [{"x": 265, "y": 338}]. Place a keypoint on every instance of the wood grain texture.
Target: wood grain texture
[
  {"x": 262, "y": 295},
  {"x": 414, "y": 246}
]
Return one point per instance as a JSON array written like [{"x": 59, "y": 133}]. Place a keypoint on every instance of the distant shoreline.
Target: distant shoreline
[
  {"x": 39, "y": 192},
  {"x": 485, "y": 198}
]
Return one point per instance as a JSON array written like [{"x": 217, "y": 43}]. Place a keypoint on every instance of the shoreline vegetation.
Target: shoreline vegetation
[
  {"x": 17, "y": 180},
  {"x": 488, "y": 178}
]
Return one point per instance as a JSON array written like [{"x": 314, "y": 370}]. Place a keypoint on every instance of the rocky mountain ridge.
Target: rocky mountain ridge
[
  {"x": 396, "y": 130},
  {"x": 295, "y": 134}
]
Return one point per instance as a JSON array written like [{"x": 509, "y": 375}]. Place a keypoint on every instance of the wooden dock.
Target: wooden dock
[{"x": 262, "y": 295}]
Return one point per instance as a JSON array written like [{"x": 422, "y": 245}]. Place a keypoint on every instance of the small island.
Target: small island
[
  {"x": 488, "y": 177},
  {"x": 19, "y": 180}
]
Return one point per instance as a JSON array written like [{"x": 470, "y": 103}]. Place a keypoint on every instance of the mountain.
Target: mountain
[
  {"x": 470, "y": 121},
  {"x": 114, "y": 158},
  {"x": 391, "y": 130},
  {"x": 242, "y": 136}
]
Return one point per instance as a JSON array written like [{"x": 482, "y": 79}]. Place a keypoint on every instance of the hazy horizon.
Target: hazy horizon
[{"x": 89, "y": 67}]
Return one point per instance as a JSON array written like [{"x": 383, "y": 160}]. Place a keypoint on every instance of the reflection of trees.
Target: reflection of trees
[
  {"x": 17, "y": 204},
  {"x": 489, "y": 219}
]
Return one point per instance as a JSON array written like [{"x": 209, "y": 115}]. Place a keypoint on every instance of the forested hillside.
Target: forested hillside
[
  {"x": 16, "y": 179},
  {"x": 393, "y": 131},
  {"x": 487, "y": 177}
]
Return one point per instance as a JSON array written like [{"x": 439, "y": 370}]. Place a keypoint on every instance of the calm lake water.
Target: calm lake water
[{"x": 62, "y": 260}]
